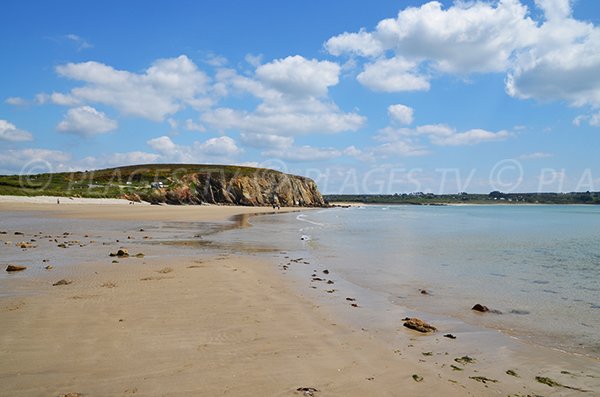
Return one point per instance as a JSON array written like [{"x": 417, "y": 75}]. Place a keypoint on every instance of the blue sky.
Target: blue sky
[{"x": 364, "y": 97}]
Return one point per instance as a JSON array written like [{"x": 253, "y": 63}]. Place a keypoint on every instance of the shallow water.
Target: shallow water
[{"x": 538, "y": 265}]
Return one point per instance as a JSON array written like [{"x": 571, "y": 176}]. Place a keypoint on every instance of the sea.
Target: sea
[{"x": 536, "y": 266}]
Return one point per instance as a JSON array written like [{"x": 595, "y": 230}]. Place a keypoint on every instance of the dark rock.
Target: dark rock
[
  {"x": 480, "y": 308},
  {"x": 520, "y": 312},
  {"x": 418, "y": 325},
  {"x": 15, "y": 268},
  {"x": 121, "y": 253},
  {"x": 49, "y": 267},
  {"x": 351, "y": 299},
  {"x": 308, "y": 391},
  {"x": 19, "y": 233},
  {"x": 449, "y": 336},
  {"x": 329, "y": 282},
  {"x": 465, "y": 360},
  {"x": 483, "y": 379},
  {"x": 325, "y": 271},
  {"x": 25, "y": 244},
  {"x": 424, "y": 292},
  {"x": 417, "y": 378},
  {"x": 63, "y": 282}
]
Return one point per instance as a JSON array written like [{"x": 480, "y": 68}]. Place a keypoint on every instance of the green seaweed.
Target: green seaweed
[
  {"x": 483, "y": 379},
  {"x": 465, "y": 360}
]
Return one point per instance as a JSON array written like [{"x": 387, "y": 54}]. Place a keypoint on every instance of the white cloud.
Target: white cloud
[
  {"x": 216, "y": 60},
  {"x": 33, "y": 160},
  {"x": 16, "y": 101},
  {"x": 86, "y": 121},
  {"x": 10, "y": 133},
  {"x": 534, "y": 156},
  {"x": 190, "y": 125},
  {"x": 81, "y": 43},
  {"x": 406, "y": 139},
  {"x": 401, "y": 113},
  {"x": 304, "y": 153},
  {"x": 556, "y": 58},
  {"x": 555, "y": 9},
  {"x": 393, "y": 75},
  {"x": 173, "y": 124},
  {"x": 56, "y": 98},
  {"x": 254, "y": 60},
  {"x": 465, "y": 38},
  {"x": 442, "y": 135},
  {"x": 361, "y": 43},
  {"x": 266, "y": 140},
  {"x": 298, "y": 76},
  {"x": 220, "y": 149},
  {"x": 166, "y": 87},
  {"x": 564, "y": 65},
  {"x": 293, "y": 93},
  {"x": 404, "y": 148},
  {"x": 130, "y": 158},
  {"x": 284, "y": 123}
]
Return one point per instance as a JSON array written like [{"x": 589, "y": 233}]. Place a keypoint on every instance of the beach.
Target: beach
[{"x": 190, "y": 318}]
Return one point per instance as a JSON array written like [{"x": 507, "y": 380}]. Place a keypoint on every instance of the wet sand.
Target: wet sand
[{"x": 192, "y": 321}]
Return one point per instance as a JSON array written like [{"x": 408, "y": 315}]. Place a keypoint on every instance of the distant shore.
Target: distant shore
[{"x": 184, "y": 320}]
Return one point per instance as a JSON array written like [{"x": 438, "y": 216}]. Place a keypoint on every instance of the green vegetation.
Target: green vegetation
[
  {"x": 468, "y": 198},
  {"x": 131, "y": 181}
]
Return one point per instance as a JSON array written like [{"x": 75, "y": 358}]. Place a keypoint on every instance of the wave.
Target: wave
[{"x": 302, "y": 218}]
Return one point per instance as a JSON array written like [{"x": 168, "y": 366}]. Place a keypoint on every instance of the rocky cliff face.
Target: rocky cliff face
[{"x": 257, "y": 189}]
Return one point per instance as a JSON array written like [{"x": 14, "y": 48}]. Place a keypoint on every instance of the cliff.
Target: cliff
[
  {"x": 258, "y": 189},
  {"x": 173, "y": 184}
]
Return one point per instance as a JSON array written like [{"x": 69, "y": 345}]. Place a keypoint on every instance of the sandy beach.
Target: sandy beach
[{"x": 185, "y": 320}]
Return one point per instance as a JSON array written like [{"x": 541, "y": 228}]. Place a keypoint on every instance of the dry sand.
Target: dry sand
[{"x": 200, "y": 323}]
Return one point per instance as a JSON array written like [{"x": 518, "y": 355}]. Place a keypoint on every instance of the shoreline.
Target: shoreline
[{"x": 262, "y": 326}]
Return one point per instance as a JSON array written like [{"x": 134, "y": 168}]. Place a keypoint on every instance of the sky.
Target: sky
[{"x": 376, "y": 97}]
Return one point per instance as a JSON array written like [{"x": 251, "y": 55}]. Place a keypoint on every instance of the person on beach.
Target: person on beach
[{"x": 57, "y": 201}]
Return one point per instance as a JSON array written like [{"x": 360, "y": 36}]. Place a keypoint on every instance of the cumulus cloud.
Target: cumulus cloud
[
  {"x": 166, "y": 87},
  {"x": 563, "y": 66},
  {"x": 86, "y": 121},
  {"x": 33, "y": 160},
  {"x": 10, "y": 133},
  {"x": 56, "y": 98},
  {"x": 298, "y": 76},
  {"x": 401, "y": 113},
  {"x": 393, "y": 75},
  {"x": 361, "y": 43},
  {"x": 220, "y": 149},
  {"x": 556, "y": 58},
  {"x": 294, "y": 100},
  {"x": 466, "y": 37}
]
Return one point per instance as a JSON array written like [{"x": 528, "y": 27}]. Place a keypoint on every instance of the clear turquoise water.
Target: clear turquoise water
[{"x": 538, "y": 265}]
